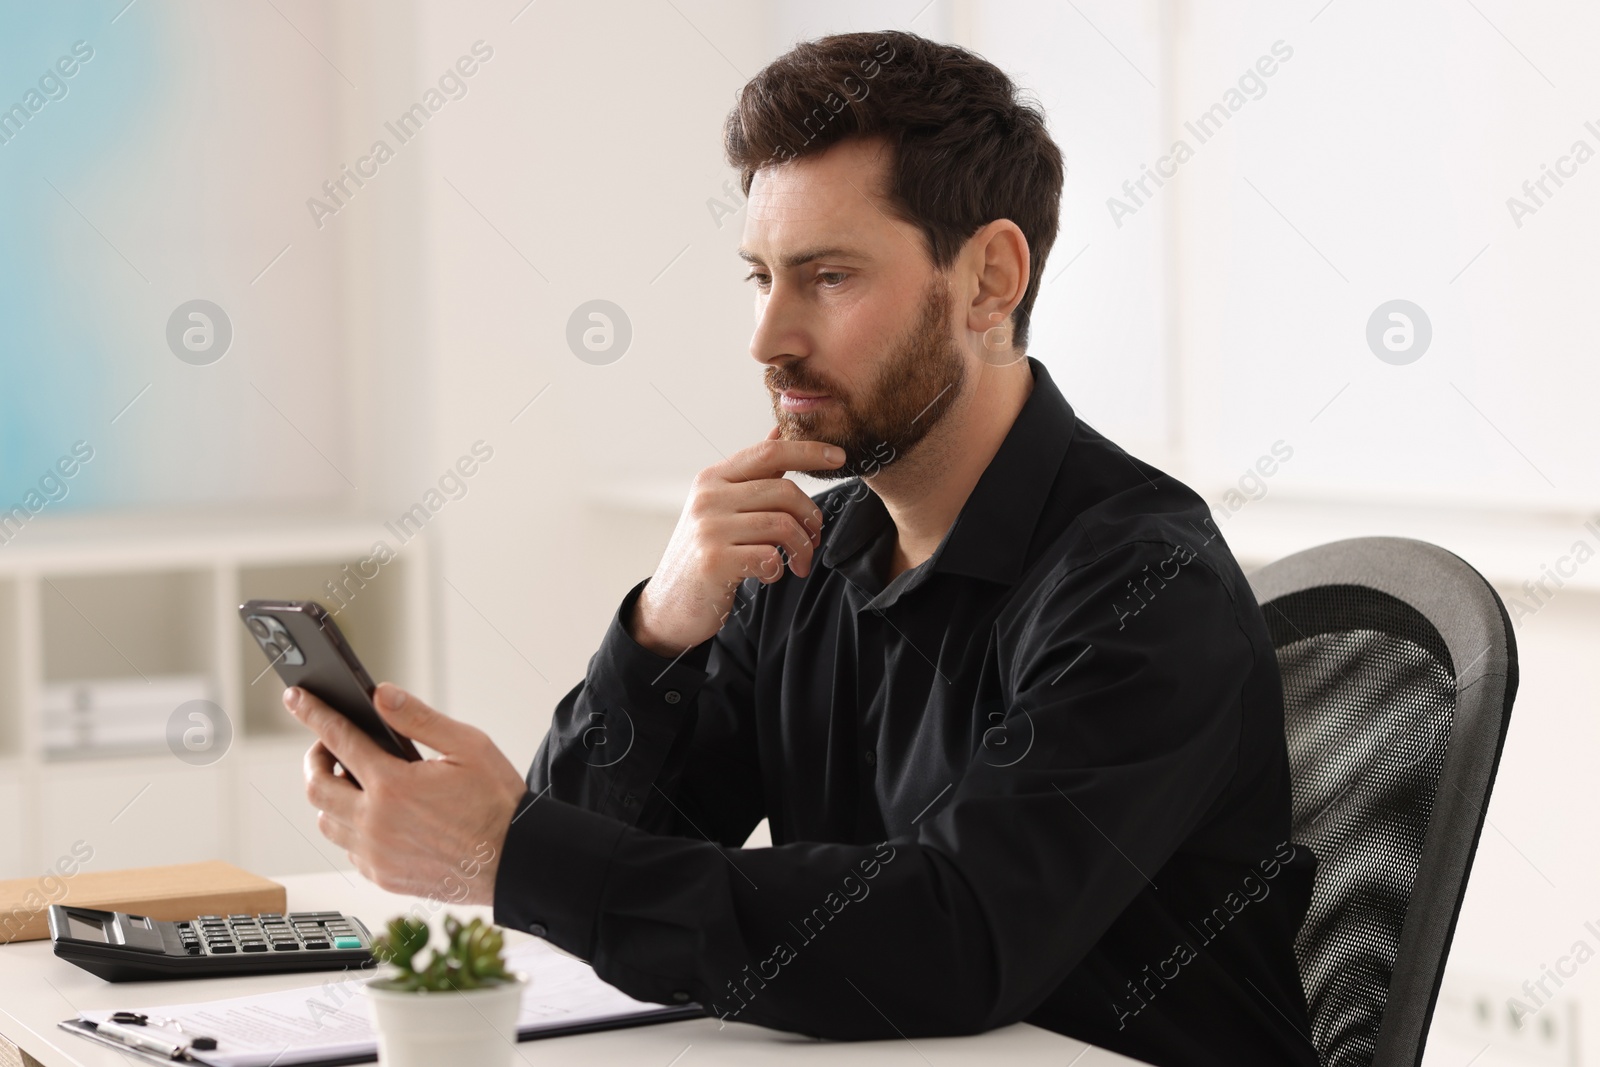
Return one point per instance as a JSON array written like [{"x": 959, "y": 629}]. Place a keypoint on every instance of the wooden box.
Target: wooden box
[{"x": 183, "y": 891}]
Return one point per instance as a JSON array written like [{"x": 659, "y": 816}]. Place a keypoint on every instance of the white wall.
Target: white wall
[
  {"x": 579, "y": 168},
  {"x": 1377, "y": 165}
]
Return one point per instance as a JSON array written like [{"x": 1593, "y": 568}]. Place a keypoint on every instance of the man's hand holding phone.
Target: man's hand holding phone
[
  {"x": 431, "y": 828},
  {"x": 740, "y": 513}
]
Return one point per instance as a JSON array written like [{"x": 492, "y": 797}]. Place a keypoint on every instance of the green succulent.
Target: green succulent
[{"x": 470, "y": 958}]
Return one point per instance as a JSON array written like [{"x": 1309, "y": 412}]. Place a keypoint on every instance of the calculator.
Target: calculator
[{"x": 129, "y": 948}]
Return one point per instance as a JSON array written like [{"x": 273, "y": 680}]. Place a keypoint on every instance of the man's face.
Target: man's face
[{"x": 852, "y": 322}]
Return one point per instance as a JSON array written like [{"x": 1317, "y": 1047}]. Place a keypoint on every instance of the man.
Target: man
[{"x": 1005, "y": 699}]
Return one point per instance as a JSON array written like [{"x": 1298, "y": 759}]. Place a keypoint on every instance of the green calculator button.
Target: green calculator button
[{"x": 347, "y": 942}]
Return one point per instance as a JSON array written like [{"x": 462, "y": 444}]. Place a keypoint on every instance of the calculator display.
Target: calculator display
[{"x": 85, "y": 931}]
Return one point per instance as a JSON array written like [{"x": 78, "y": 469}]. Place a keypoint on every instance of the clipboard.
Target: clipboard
[
  {"x": 323, "y": 1026},
  {"x": 664, "y": 1014}
]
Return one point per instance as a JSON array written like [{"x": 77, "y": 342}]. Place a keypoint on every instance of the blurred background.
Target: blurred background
[{"x": 294, "y": 296}]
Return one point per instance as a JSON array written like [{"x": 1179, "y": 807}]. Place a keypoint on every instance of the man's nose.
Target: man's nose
[{"x": 780, "y": 335}]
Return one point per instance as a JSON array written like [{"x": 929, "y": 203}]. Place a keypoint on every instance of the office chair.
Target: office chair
[{"x": 1399, "y": 668}]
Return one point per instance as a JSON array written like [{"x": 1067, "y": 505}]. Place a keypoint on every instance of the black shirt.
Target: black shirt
[{"x": 1040, "y": 776}]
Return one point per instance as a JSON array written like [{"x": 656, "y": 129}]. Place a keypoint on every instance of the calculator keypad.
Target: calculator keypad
[{"x": 316, "y": 931}]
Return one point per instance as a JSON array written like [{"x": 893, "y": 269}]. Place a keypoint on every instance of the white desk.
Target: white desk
[{"x": 37, "y": 991}]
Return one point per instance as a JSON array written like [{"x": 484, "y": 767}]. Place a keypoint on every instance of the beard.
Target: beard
[{"x": 914, "y": 388}]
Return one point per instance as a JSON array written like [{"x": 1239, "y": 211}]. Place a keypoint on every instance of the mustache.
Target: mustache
[{"x": 780, "y": 379}]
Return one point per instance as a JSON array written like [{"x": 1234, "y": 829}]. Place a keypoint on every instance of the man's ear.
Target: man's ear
[{"x": 996, "y": 258}]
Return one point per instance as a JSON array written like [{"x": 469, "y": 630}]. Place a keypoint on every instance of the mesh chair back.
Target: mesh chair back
[{"x": 1399, "y": 668}]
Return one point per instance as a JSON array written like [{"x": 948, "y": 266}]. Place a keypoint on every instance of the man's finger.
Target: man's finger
[
  {"x": 776, "y": 528},
  {"x": 349, "y": 745},
  {"x": 776, "y": 494},
  {"x": 338, "y": 832},
  {"x": 773, "y": 458},
  {"x": 327, "y": 791},
  {"x": 762, "y": 562},
  {"x": 413, "y": 718},
  {"x": 319, "y": 759}
]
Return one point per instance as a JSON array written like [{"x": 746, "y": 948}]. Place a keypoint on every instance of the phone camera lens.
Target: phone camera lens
[{"x": 258, "y": 627}]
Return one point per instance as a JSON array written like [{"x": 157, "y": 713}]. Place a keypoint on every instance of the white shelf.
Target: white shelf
[
  {"x": 130, "y": 595},
  {"x": 652, "y": 496},
  {"x": 101, "y": 541},
  {"x": 1508, "y": 547}
]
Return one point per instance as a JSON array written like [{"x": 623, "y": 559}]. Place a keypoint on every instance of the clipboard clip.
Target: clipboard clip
[{"x": 128, "y": 1028}]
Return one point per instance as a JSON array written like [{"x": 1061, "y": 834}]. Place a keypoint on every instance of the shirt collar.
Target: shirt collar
[{"x": 995, "y": 526}]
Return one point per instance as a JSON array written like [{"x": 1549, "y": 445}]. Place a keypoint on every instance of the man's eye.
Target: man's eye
[
  {"x": 761, "y": 280},
  {"x": 832, "y": 278}
]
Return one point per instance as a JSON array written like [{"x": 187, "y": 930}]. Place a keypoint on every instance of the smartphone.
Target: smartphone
[{"x": 304, "y": 645}]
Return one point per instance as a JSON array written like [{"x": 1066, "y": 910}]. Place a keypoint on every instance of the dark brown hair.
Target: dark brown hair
[{"x": 967, "y": 149}]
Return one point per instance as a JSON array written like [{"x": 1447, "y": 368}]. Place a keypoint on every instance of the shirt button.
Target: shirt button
[
  {"x": 871, "y": 757},
  {"x": 629, "y": 800},
  {"x": 680, "y": 995},
  {"x": 538, "y": 930},
  {"x": 673, "y": 696}
]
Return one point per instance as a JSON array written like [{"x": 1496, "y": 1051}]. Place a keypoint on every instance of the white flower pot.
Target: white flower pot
[{"x": 428, "y": 1029}]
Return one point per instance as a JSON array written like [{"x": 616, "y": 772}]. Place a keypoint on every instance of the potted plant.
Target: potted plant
[{"x": 460, "y": 1006}]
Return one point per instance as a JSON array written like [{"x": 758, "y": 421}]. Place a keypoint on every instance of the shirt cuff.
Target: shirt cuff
[
  {"x": 552, "y": 871},
  {"x": 643, "y": 699},
  {"x": 626, "y": 658}
]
